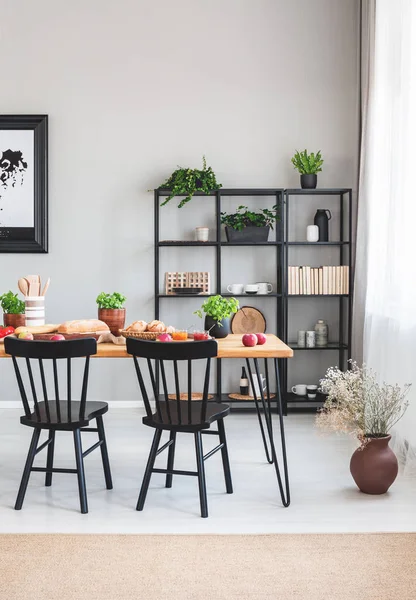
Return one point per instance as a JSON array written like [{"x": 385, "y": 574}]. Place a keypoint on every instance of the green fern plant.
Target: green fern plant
[
  {"x": 185, "y": 182},
  {"x": 307, "y": 164}
]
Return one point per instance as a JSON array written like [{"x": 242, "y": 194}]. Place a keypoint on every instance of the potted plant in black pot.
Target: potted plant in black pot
[
  {"x": 248, "y": 226},
  {"x": 308, "y": 166},
  {"x": 218, "y": 311}
]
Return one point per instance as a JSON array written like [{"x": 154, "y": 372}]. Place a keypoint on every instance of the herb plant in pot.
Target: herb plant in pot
[
  {"x": 218, "y": 311},
  {"x": 13, "y": 310},
  {"x": 357, "y": 403},
  {"x": 111, "y": 311},
  {"x": 308, "y": 166},
  {"x": 248, "y": 226},
  {"x": 186, "y": 182}
]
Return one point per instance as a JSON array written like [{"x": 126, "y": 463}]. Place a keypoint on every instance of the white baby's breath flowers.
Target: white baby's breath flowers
[{"x": 357, "y": 403}]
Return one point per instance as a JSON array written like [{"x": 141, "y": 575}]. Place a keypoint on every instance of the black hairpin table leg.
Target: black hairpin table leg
[{"x": 284, "y": 493}]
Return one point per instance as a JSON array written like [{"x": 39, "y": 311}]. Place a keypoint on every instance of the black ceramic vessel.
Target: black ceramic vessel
[
  {"x": 308, "y": 181},
  {"x": 217, "y": 331},
  {"x": 248, "y": 234},
  {"x": 322, "y": 221}
]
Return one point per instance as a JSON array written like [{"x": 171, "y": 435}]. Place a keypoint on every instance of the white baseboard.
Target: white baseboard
[{"x": 111, "y": 403}]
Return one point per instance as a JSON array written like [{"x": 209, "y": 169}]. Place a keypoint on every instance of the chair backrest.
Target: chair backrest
[
  {"x": 172, "y": 356},
  {"x": 35, "y": 353}
]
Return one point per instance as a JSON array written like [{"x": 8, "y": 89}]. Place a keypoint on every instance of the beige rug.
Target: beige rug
[{"x": 239, "y": 567}]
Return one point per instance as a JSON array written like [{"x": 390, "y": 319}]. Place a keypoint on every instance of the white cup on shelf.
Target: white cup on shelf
[
  {"x": 312, "y": 233},
  {"x": 265, "y": 288},
  {"x": 201, "y": 234},
  {"x": 299, "y": 389},
  {"x": 259, "y": 384},
  {"x": 251, "y": 288},
  {"x": 235, "y": 288}
]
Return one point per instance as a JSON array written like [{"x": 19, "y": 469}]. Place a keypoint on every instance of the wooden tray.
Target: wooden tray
[
  {"x": 241, "y": 397},
  {"x": 248, "y": 320}
]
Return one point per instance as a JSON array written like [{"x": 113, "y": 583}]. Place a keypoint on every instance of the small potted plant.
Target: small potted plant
[
  {"x": 111, "y": 311},
  {"x": 218, "y": 311},
  {"x": 248, "y": 226},
  {"x": 308, "y": 166},
  {"x": 13, "y": 310},
  {"x": 186, "y": 182},
  {"x": 357, "y": 403}
]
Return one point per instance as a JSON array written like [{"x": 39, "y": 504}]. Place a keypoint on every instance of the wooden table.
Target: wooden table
[{"x": 232, "y": 347}]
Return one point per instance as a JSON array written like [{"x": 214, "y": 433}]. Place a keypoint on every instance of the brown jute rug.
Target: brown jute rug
[{"x": 237, "y": 567}]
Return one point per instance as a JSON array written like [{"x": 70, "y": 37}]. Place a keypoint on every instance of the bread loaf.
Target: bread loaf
[
  {"x": 83, "y": 326},
  {"x": 156, "y": 326},
  {"x": 37, "y": 329},
  {"x": 137, "y": 326}
]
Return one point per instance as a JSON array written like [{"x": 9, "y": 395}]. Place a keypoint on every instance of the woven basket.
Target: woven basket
[{"x": 144, "y": 335}]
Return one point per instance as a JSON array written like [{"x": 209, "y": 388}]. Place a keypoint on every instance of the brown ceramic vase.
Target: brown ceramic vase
[
  {"x": 115, "y": 318},
  {"x": 10, "y": 320},
  {"x": 374, "y": 467}
]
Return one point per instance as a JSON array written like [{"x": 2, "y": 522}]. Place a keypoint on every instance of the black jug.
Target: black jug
[{"x": 322, "y": 221}]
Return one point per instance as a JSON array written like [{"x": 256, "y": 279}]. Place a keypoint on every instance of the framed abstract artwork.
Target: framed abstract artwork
[{"x": 24, "y": 183}]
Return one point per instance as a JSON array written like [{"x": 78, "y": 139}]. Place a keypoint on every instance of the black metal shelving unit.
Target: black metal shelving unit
[
  {"x": 219, "y": 244},
  {"x": 343, "y": 345},
  {"x": 282, "y": 247}
]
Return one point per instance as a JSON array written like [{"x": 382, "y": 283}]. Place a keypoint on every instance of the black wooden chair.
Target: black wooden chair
[
  {"x": 57, "y": 415},
  {"x": 178, "y": 415}
]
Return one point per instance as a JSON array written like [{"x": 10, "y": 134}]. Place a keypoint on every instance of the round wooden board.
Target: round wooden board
[
  {"x": 248, "y": 320},
  {"x": 194, "y": 396},
  {"x": 241, "y": 397}
]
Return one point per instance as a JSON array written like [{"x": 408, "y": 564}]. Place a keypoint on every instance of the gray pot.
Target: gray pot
[
  {"x": 248, "y": 234},
  {"x": 217, "y": 331}
]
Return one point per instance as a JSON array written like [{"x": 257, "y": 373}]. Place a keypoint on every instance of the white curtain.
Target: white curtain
[{"x": 386, "y": 234}]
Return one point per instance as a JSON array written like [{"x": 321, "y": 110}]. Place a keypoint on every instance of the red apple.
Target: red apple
[
  {"x": 58, "y": 337},
  {"x": 164, "y": 337},
  {"x": 261, "y": 339},
  {"x": 25, "y": 335},
  {"x": 249, "y": 339}
]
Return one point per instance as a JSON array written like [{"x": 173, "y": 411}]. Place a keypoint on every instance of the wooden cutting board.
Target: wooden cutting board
[{"x": 248, "y": 320}]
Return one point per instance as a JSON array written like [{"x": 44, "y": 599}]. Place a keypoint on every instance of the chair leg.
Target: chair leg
[
  {"x": 224, "y": 455},
  {"x": 104, "y": 453},
  {"x": 201, "y": 475},
  {"x": 80, "y": 471},
  {"x": 49, "y": 459},
  {"x": 171, "y": 458},
  {"x": 149, "y": 469},
  {"x": 28, "y": 467}
]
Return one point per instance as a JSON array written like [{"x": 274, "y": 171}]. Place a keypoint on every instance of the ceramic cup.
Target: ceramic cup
[
  {"x": 236, "y": 288},
  {"x": 301, "y": 338},
  {"x": 299, "y": 389},
  {"x": 34, "y": 310},
  {"x": 257, "y": 388},
  {"x": 251, "y": 288},
  {"x": 311, "y": 390},
  {"x": 201, "y": 234},
  {"x": 312, "y": 233},
  {"x": 310, "y": 339},
  {"x": 265, "y": 288}
]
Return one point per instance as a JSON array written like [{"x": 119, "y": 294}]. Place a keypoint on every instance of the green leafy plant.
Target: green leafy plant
[
  {"x": 307, "y": 164},
  {"x": 218, "y": 308},
  {"x": 239, "y": 220},
  {"x": 11, "y": 304},
  {"x": 115, "y": 300},
  {"x": 185, "y": 182}
]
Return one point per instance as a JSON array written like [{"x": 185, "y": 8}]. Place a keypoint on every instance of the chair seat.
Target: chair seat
[
  {"x": 92, "y": 410},
  {"x": 180, "y": 420}
]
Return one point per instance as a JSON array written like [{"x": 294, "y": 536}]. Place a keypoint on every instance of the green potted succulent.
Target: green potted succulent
[
  {"x": 13, "y": 310},
  {"x": 248, "y": 226},
  {"x": 218, "y": 311},
  {"x": 111, "y": 311},
  {"x": 357, "y": 403},
  {"x": 308, "y": 166},
  {"x": 186, "y": 182}
]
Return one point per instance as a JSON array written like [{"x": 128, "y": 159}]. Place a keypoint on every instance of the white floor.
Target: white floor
[{"x": 324, "y": 497}]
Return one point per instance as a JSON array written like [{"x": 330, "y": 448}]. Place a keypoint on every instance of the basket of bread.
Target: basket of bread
[{"x": 146, "y": 331}]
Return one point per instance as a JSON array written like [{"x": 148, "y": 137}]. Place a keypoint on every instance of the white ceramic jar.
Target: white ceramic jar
[
  {"x": 321, "y": 333},
  {"x": 312, "y": 233},
  {"x": 34, "y": 310}
]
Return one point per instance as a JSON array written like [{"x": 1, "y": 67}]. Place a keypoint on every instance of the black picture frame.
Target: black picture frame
[{"x": 30, "y": 239}]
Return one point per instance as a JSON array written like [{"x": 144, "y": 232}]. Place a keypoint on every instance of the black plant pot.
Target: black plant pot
[
  {"x": 217, "y": 331},
  {"x": 309, "y": 181},
  {"x": 248, "y": 234}
]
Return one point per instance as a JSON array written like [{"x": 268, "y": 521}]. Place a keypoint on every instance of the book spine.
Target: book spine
[{"x": 297, "y": 277}]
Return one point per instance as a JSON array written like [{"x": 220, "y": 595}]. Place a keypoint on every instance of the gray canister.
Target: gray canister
[{"x": 321, "y": 333}]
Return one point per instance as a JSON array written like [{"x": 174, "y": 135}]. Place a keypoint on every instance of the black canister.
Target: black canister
[{"x": 322, "y": 221}]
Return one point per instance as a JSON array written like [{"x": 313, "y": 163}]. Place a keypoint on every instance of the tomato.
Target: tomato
[{"x": 6, "y": 331}]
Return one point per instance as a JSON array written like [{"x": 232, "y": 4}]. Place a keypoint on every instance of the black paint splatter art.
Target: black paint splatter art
[{"x": 12, "y": 169}]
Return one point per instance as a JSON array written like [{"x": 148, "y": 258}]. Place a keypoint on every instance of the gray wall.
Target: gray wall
[{"x": 133, "y": 88}]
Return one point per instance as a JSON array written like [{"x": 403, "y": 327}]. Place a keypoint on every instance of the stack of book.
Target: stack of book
[{"x": 318, "y": 280}]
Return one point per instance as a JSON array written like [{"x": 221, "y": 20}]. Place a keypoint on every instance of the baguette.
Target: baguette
[
  {"x": 83, "y": 326},
  {"x": 36, "y": 329}
]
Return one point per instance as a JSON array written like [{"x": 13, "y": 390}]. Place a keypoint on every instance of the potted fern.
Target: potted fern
[
  {"x": 247, "y": 226},
  {"x": 308, "y": 166}
]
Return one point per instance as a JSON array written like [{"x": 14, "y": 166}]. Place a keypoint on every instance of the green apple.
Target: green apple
[{"x": 25, "y": 335}]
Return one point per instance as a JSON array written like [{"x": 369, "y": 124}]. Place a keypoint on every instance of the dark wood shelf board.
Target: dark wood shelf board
[
  {"x": 290, "y": 398},
  {"x": 330, "y": 346},
  {"x": 231, "y": 192},
  {"x": 317, "y": 191},
  {"x": 185, "y": 243},
  {"x": 317, "y": 243}
]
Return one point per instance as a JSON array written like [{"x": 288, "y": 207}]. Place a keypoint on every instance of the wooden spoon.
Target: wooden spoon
[
  {"x": 45, "y": 288},
  {"x": 23, "y": 286}
]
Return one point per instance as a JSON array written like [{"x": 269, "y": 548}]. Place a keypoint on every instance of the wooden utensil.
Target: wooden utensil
[
  {"x": 23, "y": 286},
  {"x": 45, "y": 288},
  {"x": 248, "y": 320},
  {"x": 33, "y": 285}
]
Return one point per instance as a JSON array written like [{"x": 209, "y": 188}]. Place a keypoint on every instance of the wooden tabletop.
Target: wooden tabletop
[{"x": 229, "y": 347}]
